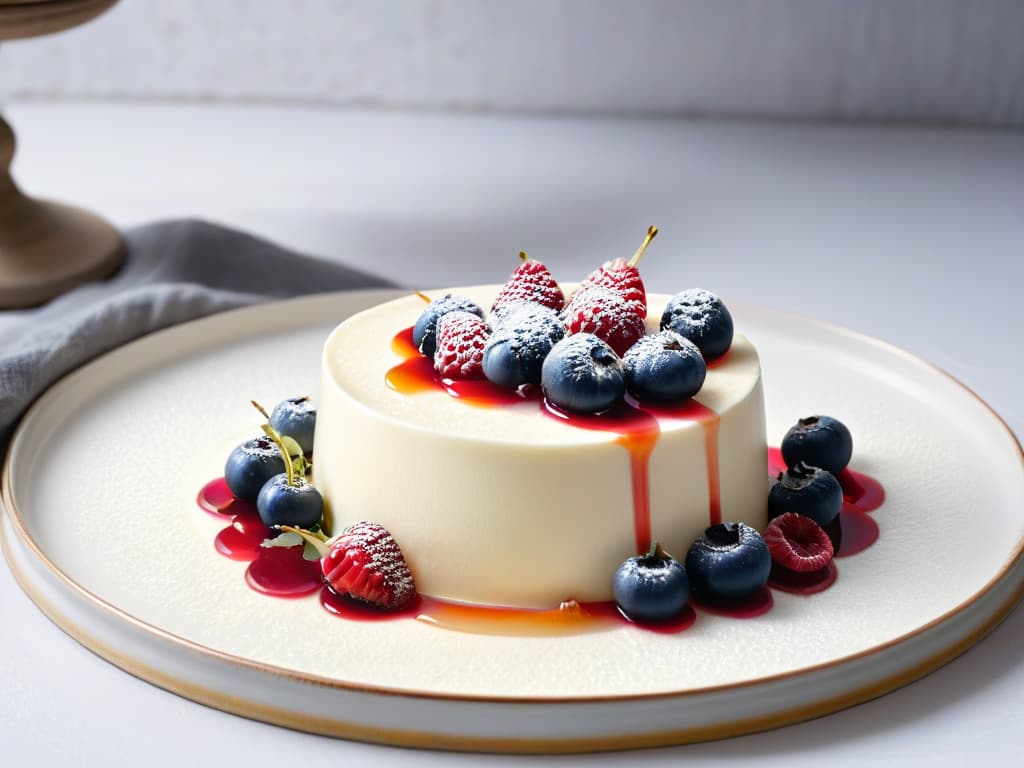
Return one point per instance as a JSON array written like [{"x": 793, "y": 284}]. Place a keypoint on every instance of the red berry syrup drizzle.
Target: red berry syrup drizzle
[
  {"x": 278, "y": 571},
  {"x": 636, "y": 427},
  {"x": 808, "y": 583},
  {"x": 570, "y": 618},
  {"x": 215, "y": 497},
  {"x": 750, "y": 607},
  {"x": 416, "y": 374},
  {"x": 709, "y": 420}
]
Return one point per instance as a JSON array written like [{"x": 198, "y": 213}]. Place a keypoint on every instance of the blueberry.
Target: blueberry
[
  {"x": 424, "y": 332},
  {"x": 701, "y": 317},
  {"x": 523, "y": 336},
  {"x": 729, "y": 562},
  {"x": 298, "y": 504},
  {"x": 296, "y": 418},
  {"x": 582, "y": 374},
  {"x": 652, "y": 587},
  {"x": 806, "y": 490},
  {"x": 820, "y": 441},
  {"x": 250, "y": 465},
  {"x": 664, "y": 368}
]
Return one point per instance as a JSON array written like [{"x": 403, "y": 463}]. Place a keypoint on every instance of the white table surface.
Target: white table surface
[{"x": 912, "y": 236}]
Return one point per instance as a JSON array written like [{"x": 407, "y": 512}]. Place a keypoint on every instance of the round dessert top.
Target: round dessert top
[{"x": 361, "y": 351}]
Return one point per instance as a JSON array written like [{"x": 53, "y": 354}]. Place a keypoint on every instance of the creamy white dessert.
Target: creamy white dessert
[{"x": 509, "y": 506}]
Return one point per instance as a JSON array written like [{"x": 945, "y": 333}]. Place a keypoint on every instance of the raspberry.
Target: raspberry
[
  {"x": 366, "y": 563},
  {"x": 607, "y": 315},
  {"x": 621, "y": 278},
  {"x": 531, "y": 281},
  {"x": 797, "y": 543},
  {"x": 461, "y": 337},
  {"x": 424, "y": 332}
]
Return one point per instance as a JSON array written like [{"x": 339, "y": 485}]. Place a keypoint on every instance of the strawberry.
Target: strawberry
[
  {"x": 531, "y": 281},
  {"x": 797, "y": 543},
  {"x": 461, "y": 337},
  {"x": 607, "y": 315},
  {"x": 623, "y": 277},
  {"x": 365, "y": 562}
]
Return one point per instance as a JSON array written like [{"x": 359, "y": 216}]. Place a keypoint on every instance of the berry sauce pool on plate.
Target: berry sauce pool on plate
[{"x": 282, "y": 572}]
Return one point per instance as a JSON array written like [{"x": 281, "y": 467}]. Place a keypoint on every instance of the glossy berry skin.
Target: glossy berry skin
[
  {"x": 729, "y": 562},
  {"x": 701, "y": 317},
  {"x": 424, "y": 332},
  {"x": 582, "y": 374},
  {"x": 798, "y": 544},
  {"x": 523, "y": 337},
  {"x": 820, "y": 441},
  {"x": 651, "y": 588},
  {"x": 606, "y": 314},
  {"x": 366, "y": 563},
  {"x": 531, "y": 281},
  {"x": 250, "y": 465},
  {"x": 808, "y": 491},
  {"x": 461, "y": 337},
  {"x": 296, "y": 418},
  {"x": 299, "y": 505},
  {"x": 664, "y": 369}
]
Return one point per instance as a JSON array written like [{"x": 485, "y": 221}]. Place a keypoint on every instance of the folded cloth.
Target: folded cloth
[{"x": 173, "y": 271}]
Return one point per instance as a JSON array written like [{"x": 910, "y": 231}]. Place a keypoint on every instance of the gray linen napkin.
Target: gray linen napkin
[{"x": 174, "y": 271}]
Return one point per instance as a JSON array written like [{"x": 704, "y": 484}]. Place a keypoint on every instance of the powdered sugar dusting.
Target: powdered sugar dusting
[
  {"x": 532, "y": 282},
  {"x": 696, "y": 304},
  {"x": 371, "y": 547},
  {"x": 526, "y": 324},
  {"x": 619, "y": 277},
  {"x": 608, "y": 315}
]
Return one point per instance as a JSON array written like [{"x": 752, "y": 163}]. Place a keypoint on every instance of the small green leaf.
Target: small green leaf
[
  {"x": 292, "y": 446},
  {"x": 286, "y": 539}
]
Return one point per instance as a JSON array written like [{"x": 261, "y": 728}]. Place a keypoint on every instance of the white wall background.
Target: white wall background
[{"x": 950, "y": 61}]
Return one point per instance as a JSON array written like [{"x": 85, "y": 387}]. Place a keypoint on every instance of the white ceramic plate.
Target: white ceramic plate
[{"x": 102, "y": 531}]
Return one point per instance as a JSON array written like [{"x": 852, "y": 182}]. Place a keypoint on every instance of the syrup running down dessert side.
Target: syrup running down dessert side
[{"x": 546, "y": 466}]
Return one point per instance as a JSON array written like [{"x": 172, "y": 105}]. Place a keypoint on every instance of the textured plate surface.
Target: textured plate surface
[{"x": 102, "y": 531}]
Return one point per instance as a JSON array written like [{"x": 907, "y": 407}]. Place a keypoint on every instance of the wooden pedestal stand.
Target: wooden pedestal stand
[{"x": 46, "y": 247}]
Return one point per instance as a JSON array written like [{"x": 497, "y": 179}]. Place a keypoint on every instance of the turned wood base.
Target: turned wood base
[{"x": 47, "y": 248}]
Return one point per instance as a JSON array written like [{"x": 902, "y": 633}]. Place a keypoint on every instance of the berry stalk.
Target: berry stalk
[
  {"x": 274, "y": 435},
  {"x": 657, "y": 551},
  {"x": 652, "y": 232}
]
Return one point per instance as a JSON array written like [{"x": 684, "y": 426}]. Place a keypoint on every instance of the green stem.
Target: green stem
[
  {"x": 656, "y": 551},
  {"x": 274, "y": 435}
]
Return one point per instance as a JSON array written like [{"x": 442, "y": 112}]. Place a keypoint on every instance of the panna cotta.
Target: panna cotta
[{"x": 503, "y": 500}]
